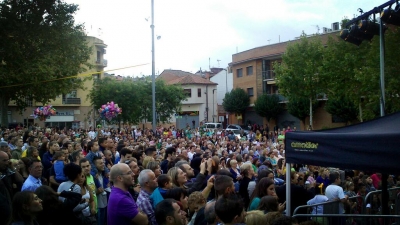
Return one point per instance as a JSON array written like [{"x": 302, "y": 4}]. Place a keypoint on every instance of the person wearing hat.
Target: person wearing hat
[{"x": 4, "y": 147}]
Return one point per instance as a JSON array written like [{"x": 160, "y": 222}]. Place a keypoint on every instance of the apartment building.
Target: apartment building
[
  {"x": 253, "y": 71},
  {"x": 74, "y": 109},
  {"x": 201, "y": 102}
]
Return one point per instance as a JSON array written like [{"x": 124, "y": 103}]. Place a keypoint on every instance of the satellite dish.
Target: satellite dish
[{"x": 158, "y": 37}]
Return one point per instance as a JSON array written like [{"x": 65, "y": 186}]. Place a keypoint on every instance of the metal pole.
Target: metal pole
[
  {"x": 311, "y": 113},
  {"x": 385, "y": 193},
  {"x": 288, "y": 190},
  {"x": 153, "y": 75},
  {"x": 226, "y": 80},
  {"x": 213, "y": 107}
]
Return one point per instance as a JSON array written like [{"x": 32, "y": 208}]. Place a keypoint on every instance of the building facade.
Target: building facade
[
  {"x": 224, "y": 80},
  {"x": 253, "y": 71},
  {"x": 74, "y": 109},
  {"x": 201, "y": 103}
]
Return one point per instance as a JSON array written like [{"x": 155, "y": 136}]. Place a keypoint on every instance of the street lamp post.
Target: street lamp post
[
  {"x": 213, "y": 106},
  {"x": 153, "y": 75}
]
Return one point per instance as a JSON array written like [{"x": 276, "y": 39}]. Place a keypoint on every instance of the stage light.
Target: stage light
[
  {"x": 345, "y": 35},
  {"x": 391, "y": 16},
  {"x": 357, "y": 33},
  {"x": 369, "y": 27}
]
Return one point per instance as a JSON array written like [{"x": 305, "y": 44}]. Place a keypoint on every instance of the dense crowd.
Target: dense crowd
[{"x": 190, "y": 176}]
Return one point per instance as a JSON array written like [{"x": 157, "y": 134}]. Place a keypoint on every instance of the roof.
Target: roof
[
  {"x": 191, "y": 79},
  {"x": 182, "y": 77}
]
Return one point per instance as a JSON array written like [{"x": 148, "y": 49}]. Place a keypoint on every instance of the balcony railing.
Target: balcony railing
[
  {"x": 72, "y": 101},
  {"x": 102, "y": 63},
  {"x": 268, "y": 75}
]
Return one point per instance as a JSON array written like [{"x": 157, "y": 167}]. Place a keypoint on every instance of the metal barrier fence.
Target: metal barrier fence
[{"x": 356, "y": 212}]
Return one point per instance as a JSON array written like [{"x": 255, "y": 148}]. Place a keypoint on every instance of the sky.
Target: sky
[{"x": 198, "y": 34}]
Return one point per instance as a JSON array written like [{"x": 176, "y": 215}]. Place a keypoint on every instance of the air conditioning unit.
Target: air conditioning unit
[{"x": 335, "y": 26}]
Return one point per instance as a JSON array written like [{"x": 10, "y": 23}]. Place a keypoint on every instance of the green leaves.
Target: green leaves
[
  {"x": 236, "y": 101},
  {"x": 268, "y": 106},
  {"x": 343, "y": 107},
  {"x": 135, "y": 98},
  {"x": 39, "y": 42}
]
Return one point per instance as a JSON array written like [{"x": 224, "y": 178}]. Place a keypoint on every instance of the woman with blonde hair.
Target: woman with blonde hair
[
  {"x": 146, "y": 160},
  {"x": 255, "y": 217}
]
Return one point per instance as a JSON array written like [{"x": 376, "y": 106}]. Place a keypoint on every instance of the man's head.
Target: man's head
[
  {"x": 168, "y": 212},
  {"x": 122, "y": 176},
  {"x": 147, "y": 180},
  {"x": 110, "y": 143},
  {"x": 54, "y": 147},
  {"x": 35, "y": 168},
  {"x": 77, "y": 155},
  {"x": 230, "y": 209},
  {"x": 186, "y": 168},
  {"x": 151, "y": 152},
  {"x": 126, "y": 154},
  {"x": 99, "y": 163},
  {"x": 134, "y": 167},
  {"x": 223, "y": 185},
  {"x": 18, "y": 142},
  {"x": 85, "y": 165},
  {"x": 334, "y": 178},
  {"x": 103, "y": 142},
  {"x": 33, "y": 141},
  {"x": 93, "y": 146},
  {"x": 4, "y": 161},
  {"x": 209, "y": 213},
  {"x": 107, "y": 155},
  {"x": 170, "y": 153},
  {"x": 4, "y": 147}
]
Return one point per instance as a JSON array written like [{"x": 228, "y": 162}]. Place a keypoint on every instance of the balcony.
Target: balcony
[
  {"x": 101, "y": 63},
  {"x": 269, "y": 76},
  {"x": 67, "y": 101},
  {"x": 282, "y": 99},
  {"x": 100, "y": 44}
]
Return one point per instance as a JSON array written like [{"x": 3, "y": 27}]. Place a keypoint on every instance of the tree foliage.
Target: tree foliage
[
  {"x": 268, "y": 106},
  {"x": 298, "y": 74},
  {"x": 236, "y": 101},
  {"x": 39, "y": 42},
  {"x": 300, "y": 108},
  {"x": 135, "y": 98},
  {"x": 343, "y": 107}
]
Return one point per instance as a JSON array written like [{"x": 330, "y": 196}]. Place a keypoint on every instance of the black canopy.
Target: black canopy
[{"x": 373, "y": 145}]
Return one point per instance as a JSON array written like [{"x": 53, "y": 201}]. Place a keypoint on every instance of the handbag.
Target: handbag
[{"x": 84, "y": 220}]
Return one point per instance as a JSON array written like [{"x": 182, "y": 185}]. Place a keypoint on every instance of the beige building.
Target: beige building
[
  {"x": 253, "y": 71},
  {"x": 74, "y": 109}
]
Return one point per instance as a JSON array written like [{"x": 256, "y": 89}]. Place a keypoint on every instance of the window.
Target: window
[
  {"x": 28, "y": 102},
  {"x": 239, "y": 72},
  {"x": 250, "y": 91},
  {"x": 249, "y": 70},
  {"x": 199, "y": 92},
  {"x": 188, "y": 92}
]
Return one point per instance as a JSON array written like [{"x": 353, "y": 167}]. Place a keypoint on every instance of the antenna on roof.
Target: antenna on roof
[
  {"x": 209, "y": 63},
  {"x": 218, "y": 62},
  {"x": 317, "y": 28}
]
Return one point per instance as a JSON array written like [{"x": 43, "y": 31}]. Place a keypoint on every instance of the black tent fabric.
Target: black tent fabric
[{"x": 373, "y": 145}]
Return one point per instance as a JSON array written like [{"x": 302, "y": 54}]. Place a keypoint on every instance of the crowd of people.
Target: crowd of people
[{"x": 190, "y": 176}]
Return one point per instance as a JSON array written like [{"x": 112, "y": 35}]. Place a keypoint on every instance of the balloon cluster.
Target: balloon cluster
[
  {"x": 44, "y": 112},
  {"x": 109, "y": 110}
]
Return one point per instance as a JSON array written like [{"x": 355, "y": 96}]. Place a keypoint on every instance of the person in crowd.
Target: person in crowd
[
  {"x": 155, "y": 167},
  {"x": 8, "y": 178},
  {"x": 247, "y": 173},
  {"x": 148, "y": 183},
  {"x": 230, "y": 209},
  {"x": 17, "y": 152},
  {"x": 270, "y": 204},
  {"x": 265, "y": 187},
  {"x": 55, "y": 211},
  {"x": 76, "y": 156},
  {"x": 164, "y": 182},
  {"x": 90, "y": 184},
  {"x": 32, "y": 142},
  {"x": 335, "y": 192},
  {"x": 25, "y": 207},
  {"x": 168, "y": 212},
  {"x": 59, "y": 163},
  {"x": 125, "y": 154},
  {"x": 101, "y": 182},
  {"x": 192, "y": 184},
  {"x": 196, "y": 201},
  {"x": 169, "y": 156},
  {"x": 122, "y": 209},
  {"x": 35, "y": 173},
  {"x": 255, "y": 217}
]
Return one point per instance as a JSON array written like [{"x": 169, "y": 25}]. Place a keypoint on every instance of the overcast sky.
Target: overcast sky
[{"x": 192, "y": 31}]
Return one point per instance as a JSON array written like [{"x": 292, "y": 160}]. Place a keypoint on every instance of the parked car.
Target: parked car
[
  {"x": 213, "y": 126},
  {"x": 236, "y": 127}
]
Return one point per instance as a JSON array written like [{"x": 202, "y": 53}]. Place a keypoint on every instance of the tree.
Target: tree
[
  {"x": 236, "y": 101},
  {"x": 135, "y": 98},
  {"x": 125, "y": 94},
  {"x": 342, "y": 107},
  {"x": 40, "y": 48},
  {"x": 268, "y": 106},
  {"x": 298, "y": 74},
  {"x": 300, "y": 108}
]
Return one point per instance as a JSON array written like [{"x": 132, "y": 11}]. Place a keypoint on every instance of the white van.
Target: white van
[{"x": 213, "y": 125}]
